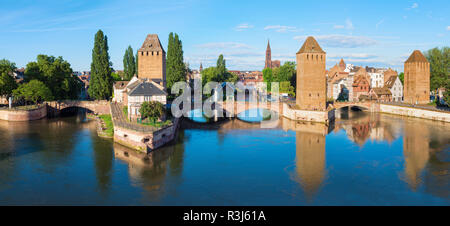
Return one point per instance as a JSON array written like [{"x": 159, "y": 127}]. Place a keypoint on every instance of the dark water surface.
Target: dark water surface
[{"x": 363, "y": 159}]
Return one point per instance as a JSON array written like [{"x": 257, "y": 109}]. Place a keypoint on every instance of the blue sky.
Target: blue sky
[{"x": 374, "y": 33}]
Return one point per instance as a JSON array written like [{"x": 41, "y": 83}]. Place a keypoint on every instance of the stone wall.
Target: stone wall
[
  {"x": 415, "y": 112},
  {"x": 145, "y": 141},
  {"x": 304, "y": 115},
  {"x": 23, "y": 115}
]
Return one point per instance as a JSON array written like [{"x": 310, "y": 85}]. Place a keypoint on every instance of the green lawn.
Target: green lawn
[
  {"x": 156, "y": 124},
  {"x": 108, "y": 123}
]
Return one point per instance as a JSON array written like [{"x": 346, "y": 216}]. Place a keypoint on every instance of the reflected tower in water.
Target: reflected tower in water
[
  {"x": 416, "y": 152},
  {"x": 310, "y": 154}
]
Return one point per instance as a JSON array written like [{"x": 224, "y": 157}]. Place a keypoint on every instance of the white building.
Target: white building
[
  {"x": 395, "y": 86},
  {"x": 141, "y": 91},
  {"x": 376, "y": 79}
]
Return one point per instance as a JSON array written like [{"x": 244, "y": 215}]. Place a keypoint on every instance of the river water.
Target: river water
[{"x": 363, "y": 159}]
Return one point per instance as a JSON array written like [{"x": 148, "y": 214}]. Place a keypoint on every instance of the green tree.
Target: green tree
[
  {"x": 401, "y": 76},
  {"x": 440, "y": 67},
  {"x": 268, "y": 78},
  {"x": 34, "y": 91},
  {"x": 100, "y": 86},
  {"x": 116, "y": 77},
  {"x": 136, "y": 64},
  {"x": 56, "y": 74},
  {"x": 129, "y": 63},
  {"x": 219, "y": 73},
  {"x": 152, "y": 110},
  {"x": 175, "y": 66},
  {"x": 7, "y": 81}
]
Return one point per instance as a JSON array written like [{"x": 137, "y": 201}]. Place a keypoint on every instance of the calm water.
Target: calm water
[{"x": 364, "y": 159}]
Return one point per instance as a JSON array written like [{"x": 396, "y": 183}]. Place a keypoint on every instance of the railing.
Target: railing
[
  {"x": 119, "y": 120},
  {"x": 433, "y": 108}
]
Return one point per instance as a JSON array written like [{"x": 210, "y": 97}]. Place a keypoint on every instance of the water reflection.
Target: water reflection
[
  {"x": 149, "y": 171},
  {"x": 362, "y": 158}
]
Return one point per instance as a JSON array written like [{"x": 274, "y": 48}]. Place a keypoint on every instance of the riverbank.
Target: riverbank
[{"x": 25, "y": 113}]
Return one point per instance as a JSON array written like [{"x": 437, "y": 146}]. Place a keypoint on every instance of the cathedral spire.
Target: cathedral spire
[{"x": 268, "y": 63}]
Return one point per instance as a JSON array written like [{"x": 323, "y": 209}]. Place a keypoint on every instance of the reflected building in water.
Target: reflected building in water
[
  {"x": 310, "y": 161},
  {"x": 150, "y": 171}
]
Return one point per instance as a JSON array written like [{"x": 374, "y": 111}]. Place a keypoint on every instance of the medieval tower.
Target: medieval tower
[
  {"x": 417, "y": 79},
  {"x": 311, "y": 78},
  {"x": 152, "y": 60},
  {"x": 268, "y": 56}
]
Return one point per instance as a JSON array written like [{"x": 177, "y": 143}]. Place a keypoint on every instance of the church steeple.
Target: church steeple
[
  {"x": 201, "y": 67},
  {"x": 268, "y": 63}
]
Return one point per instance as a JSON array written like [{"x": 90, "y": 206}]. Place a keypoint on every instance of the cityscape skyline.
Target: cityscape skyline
[{"x": 363, "y": 34}]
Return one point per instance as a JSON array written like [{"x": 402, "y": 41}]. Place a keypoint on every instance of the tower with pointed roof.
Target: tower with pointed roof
[
  {"x": 268, "y": 56},
  {"x": 417, "y": 79},
  {"x": 311, "y": 78},
  {"x": 342, "y": 64},
  {"x": 201, "y": 67},
  {"x": 152, "y": 60}
]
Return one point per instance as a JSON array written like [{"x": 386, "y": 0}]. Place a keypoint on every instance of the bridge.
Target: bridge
[
  {"x": 236, "y": 107},
  {"x": 367, "y": 105},
  {"x": 98, "y": 107}
]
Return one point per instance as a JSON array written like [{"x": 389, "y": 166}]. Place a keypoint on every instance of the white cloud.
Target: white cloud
[
  {"x": 342, "y": 41},
  {"x": 348, "y": 25},
  {"x": 448, "y": 28},
  {"x": 282, "y": 28},
  {"x": 352, "y": 55},
  {"x": 413, "y": 6},
  {"x": 224, "y": 45},
  {"x": 243, "y": 26}
]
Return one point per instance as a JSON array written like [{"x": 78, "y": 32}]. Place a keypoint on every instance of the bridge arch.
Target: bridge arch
[{"x": 97, "y": 107}]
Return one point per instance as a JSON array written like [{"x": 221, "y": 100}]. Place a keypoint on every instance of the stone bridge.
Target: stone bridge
[
  {"x": 98, "y": 107},
  {"x": 367, "y": 105},
  {"x": 236, "y": 107}
]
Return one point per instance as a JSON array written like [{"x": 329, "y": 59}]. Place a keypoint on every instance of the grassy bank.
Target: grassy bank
[{"x": 107, "y": 122}]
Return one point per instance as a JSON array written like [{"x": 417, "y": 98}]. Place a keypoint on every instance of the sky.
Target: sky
[{"x": 373, "y": 33}]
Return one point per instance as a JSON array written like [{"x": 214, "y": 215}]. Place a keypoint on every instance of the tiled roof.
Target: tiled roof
[
  {"x": 121, "y": 84},
  {"x": 310, "y": 46},
  {"x": 147, "y": 88},
  {"x": 417, "y": 56},
  {"x": 390, "y": 82},
  {"x": 382, "y": 91},
  {"x": 151, "y": 43}
]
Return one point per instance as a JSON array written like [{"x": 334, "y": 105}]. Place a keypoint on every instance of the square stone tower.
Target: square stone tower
[
  {"x": 311, "y": 78},
  {"x": 417, "y": 79},
  {"x": 152, "y": 60}
]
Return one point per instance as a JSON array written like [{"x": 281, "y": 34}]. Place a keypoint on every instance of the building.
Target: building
[
  {"x": 381, "y": 94},
  {"x": 311, "y": 78},
  {"x": 361, "y": 86},
  {"x": 417, "y": 79},
  {"x": 269, "y": 63},
  {"x": 376, "y": 79},
  {"x": 387, "y": 74},
  {"x": 339, "y": 82},
  {"x": 395, "y": 86},
  {"x": 152, "y": 60},
  {"x": 141, "y": 90},
  {"x": 120, "y": 94}
]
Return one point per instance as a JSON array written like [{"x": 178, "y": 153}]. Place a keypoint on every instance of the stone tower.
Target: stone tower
[
  {"x": 268, "y": 56},
  {"x": 311, "y": 78},
  {"x": 201, "y": 67},
  {"x": 417, "y": 79},
  {"x": 152, "y": 60}
]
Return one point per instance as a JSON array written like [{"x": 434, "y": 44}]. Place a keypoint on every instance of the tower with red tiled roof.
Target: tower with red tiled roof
[
  {"x": 311, "y": 78},
  {"x": 417, "y": 79},
  {"x": 152, "y": 60}
]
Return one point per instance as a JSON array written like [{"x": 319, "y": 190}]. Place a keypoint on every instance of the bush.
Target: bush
[{"x": 152, "y": 110}]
